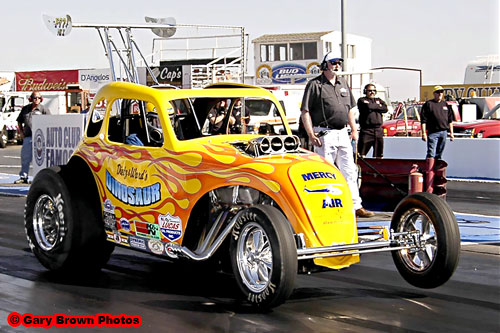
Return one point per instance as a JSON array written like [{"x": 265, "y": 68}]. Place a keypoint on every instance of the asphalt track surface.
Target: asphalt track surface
[{"x": 367, "y": 297}]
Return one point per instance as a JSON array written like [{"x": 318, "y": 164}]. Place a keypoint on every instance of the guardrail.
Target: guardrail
[{"x": 467, "y": 158}]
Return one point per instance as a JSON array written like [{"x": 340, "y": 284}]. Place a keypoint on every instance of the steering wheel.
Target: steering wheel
[{"x": 154, "y": 128}]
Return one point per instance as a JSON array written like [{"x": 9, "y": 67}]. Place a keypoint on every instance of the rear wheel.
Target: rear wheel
[
  {"x": 264, "y": 256},
  {"x": 435, "y": 258},
  {"x": 62, "y": 229}
]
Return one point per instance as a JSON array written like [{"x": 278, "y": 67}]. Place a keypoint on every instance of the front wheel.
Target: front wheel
[
  {"x": 264, "y": 256},
  {"x": 433, "y": 261}
]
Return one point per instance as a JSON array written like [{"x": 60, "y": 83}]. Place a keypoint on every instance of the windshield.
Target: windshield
[
  {"x": 494, "y": 114},
  {"x": 411, "y": 112},
  {"x": 215, "y": 116}
]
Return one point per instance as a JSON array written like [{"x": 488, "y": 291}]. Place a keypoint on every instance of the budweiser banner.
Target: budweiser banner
[{"x": 45, "y": 80}]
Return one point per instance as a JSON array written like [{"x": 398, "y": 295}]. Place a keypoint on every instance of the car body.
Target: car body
[
  {"x": 150, "y": 176},
  {"x": 406, "y": 122},
  {"x": 487, "y": 127}
]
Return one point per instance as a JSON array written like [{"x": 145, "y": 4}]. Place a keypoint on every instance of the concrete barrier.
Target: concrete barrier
[{"x": 467, "y": 158}]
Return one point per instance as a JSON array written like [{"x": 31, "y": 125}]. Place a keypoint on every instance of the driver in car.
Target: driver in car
[{"x": 217, "y": 117}]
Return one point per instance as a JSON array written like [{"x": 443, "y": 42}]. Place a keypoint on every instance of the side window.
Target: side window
[
  {"x": 136, "y": 123},
  {"x": 184, "y": 119},
  {"x": 96, "y": 118}
]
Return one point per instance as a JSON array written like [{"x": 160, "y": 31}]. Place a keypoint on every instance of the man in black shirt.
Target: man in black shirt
[
  {"x": 437, "y": 119},
  {"x": 24, "y": 121},
  {"x": 326, "y": 107},
  {"x": 371, "y": 133}
]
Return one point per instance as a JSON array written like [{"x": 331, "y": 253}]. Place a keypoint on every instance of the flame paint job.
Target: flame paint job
[{"x": 189, "y": 169}]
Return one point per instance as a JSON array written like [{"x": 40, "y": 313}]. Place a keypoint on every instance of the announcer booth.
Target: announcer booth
[{"x": 55, "y": 137}]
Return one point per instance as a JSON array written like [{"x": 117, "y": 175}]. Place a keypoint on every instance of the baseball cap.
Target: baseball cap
[
  {"x": 333, "y": 55},
  {"x": 437, "y": 88}
]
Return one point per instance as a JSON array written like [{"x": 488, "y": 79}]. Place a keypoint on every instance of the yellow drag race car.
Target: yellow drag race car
[{"x": 179, "y": 174}]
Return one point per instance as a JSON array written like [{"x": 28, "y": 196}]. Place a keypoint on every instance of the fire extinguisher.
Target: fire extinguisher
[{"x": 415, "y": 180}]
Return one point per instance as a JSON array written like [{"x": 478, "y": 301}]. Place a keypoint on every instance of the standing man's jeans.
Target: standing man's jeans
[
  {"x": 435, "y": 144},
  {"x": 26, "y": 157}
]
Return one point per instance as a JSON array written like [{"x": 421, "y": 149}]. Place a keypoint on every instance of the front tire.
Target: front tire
[
  {"x": 434, "y": 261},
  {"x": 264, "y": 256}
]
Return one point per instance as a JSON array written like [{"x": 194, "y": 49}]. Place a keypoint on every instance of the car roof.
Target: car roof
[{"x": 135, "y": 91}]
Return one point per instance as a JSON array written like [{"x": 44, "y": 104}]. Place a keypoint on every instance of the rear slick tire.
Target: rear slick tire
[
  {"x": 434, "y": 262},
  {"x": 263, "y": 256},
  {"x": 63, "y": 230}
]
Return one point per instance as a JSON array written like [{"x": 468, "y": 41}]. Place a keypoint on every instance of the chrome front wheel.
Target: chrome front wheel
[
  {"x": 435, "y": 240},
  {"x": 421, "y": 258},
  {"x": 254, "y": 257},
  {"x": 263, "y": 256}
]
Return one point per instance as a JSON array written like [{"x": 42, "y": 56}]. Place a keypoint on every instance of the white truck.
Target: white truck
[{"x": 11, "y": 103}]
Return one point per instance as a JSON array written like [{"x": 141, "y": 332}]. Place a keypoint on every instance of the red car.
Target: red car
[
  {"x": 487, "y": 127},
  {"x": 406, "y": 122}
]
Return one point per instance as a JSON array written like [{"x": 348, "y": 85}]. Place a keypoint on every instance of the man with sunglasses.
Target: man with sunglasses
[
  {"x": 327, "y": 109},
  {"x": 371, "y": 133},
  {"x": 24, "y": 121}
]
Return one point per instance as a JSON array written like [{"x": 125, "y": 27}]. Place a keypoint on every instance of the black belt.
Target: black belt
[{"x": 333, "y": 127}]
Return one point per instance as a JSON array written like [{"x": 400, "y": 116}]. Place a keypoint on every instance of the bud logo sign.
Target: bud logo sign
[{"x": 283, "y": 73}]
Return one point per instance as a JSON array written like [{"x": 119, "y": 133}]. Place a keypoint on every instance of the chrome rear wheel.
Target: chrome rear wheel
[{"x": 46, "y": 223}]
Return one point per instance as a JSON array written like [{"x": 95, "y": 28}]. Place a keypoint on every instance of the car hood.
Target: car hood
[{"x": 477, "y": 123}]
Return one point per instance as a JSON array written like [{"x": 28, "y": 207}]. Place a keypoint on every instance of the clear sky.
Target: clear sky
[{"x": 438, "y": 36}]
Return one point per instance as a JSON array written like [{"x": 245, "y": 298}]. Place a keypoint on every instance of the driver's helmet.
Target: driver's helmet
[
  {"x": 152, "y": 116},
  {"x": 150, "y": 107}
]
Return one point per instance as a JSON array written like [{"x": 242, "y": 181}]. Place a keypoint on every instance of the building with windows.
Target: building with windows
[{"x": 280, "y": 57}]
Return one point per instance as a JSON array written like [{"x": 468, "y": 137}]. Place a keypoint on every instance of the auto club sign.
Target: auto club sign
[{"x": 45, "y": 80}]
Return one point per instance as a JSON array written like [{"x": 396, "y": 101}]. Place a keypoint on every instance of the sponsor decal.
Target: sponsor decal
[
  {"x": 313, "y": 68},
  {"x": 131, "y": 172},
  {"x": 148, "y": 230},
  {"x": 332, "y": 203},
  {"x": 125, "y": 224},
  {"x": 329, "y": 189},
  {"x": 39, "y": 147},
  {"x": 170, "y": 250},
  {"x": 317, "y": 175},
  {"x": 170, "y": 227},
  {"x": 59, "y": 202},
  {"x": 117, "y": 238},
  {"x": 155, "y": 246},
  {"x": 109, "y": 221},
  {"x": 134, "y": 196},
  {"x": 284, "y": 73},
  {"x": 136, "y": 242},
  {"x": 108, "y": 206}
]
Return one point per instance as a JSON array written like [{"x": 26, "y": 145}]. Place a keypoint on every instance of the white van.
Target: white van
[{"x": 290, "y": 97}]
